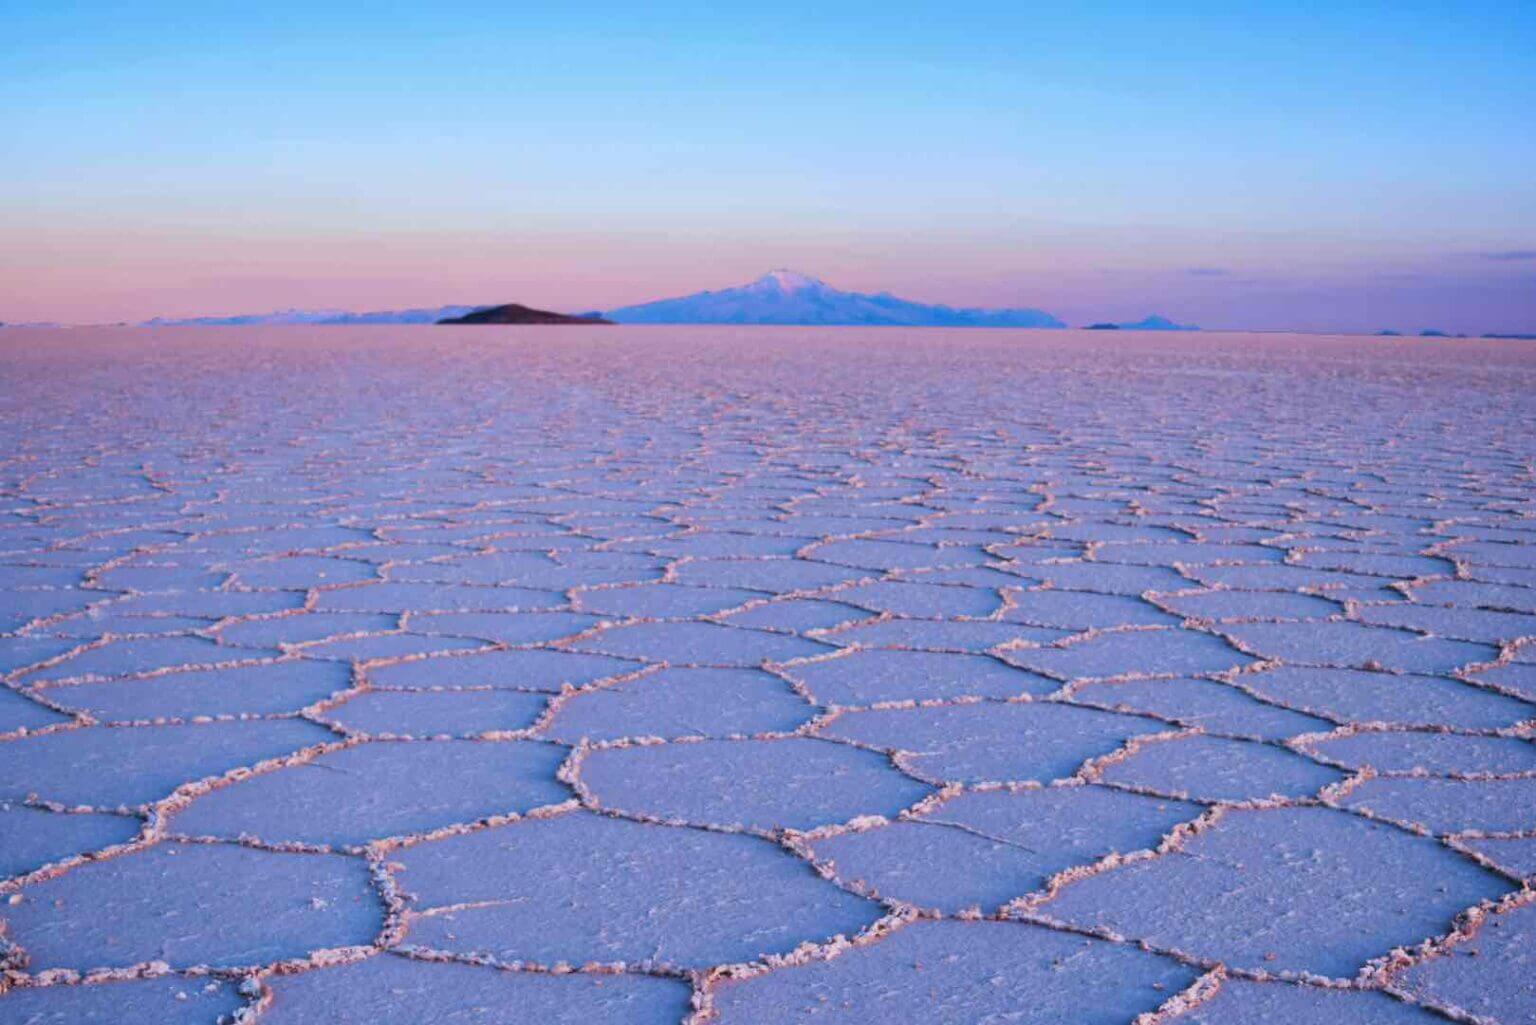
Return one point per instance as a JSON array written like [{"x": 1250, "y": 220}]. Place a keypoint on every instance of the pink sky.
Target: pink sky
[{"x": 131, "y": 272}]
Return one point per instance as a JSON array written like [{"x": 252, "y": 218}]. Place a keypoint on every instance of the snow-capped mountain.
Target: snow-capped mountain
[
  {"x": 787, "y": 297},
  {"x": 778, "y": 297},
  {"x": 415, "y": 316}
]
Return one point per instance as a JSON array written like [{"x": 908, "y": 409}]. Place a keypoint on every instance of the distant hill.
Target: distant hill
[
  {"x": 513, "y": 313},
  {"x": 1156, "y": 323},
  {"x": 414, "y": 316},
  {"x": 785, "y": 297}
]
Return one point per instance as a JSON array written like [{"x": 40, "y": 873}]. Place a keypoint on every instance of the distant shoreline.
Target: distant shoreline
[{"x": 579, "y": 322}]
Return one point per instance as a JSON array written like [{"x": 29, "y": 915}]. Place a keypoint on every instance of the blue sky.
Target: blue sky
[{"x": 1239, "y": 165}]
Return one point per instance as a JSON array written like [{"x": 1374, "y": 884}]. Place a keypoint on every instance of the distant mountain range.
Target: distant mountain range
[
  {"x": 414, "y": 316},
  {"x": 785, "y": 297},
  {"x": 778, "y": 297}
]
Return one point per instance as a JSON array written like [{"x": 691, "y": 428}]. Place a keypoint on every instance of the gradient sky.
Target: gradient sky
[{"x": 1268, "y": 165}]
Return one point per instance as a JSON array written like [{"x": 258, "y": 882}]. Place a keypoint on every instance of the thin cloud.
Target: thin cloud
[
  {"x": 1207, "y": 272},
  {"x": 1511, "y": 254}
]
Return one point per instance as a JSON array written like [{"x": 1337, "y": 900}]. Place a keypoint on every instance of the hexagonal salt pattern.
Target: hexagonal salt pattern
[
  {"x": 161, "y": 1000},
  {"x": 949, "y": 973},
  {"x": 1011, "y": 842},
  {"x": 393, "y": 990},
  {"x": 795, "y": 783},
  {"x": 193, "y": 904},
  {"x": 1487, "y": 971},
  {"x": 1244, "y": 1002},
  {"x": 765, "y": 676},
  {"x": 374, "y": 791},
  {"x": 583, "y": 887},
  {"x": 1303, "y": 889}
]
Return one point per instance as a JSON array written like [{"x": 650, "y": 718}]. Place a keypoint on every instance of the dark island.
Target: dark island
[{"x": 514, "y": 313}]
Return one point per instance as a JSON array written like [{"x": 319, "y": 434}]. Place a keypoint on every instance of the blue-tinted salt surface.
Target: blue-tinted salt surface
[{"x": 403, "y": 675}]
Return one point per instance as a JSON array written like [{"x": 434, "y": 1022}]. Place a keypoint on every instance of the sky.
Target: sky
[{"x": 1276, "y": 166}]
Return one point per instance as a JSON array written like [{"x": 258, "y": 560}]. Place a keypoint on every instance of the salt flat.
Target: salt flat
[{"x": 657, "y": 675}]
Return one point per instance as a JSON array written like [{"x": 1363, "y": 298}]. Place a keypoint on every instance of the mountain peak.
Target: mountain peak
[
  {"x": 785, "y": 280},
  {"x": 784, "y": 296}
]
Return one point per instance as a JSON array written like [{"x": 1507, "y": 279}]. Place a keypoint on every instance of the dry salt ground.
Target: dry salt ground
[{"x": 765, "y": 676}]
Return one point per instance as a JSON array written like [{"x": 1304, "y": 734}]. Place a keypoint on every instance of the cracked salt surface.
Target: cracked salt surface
[
  {"x": 579, "y": 888},
  {"x": 392, "y": 990},
  {"x": 378, "y": 790},
  {"x": 162, "y": 1000},
  {"x": 1010, "y": 842},
  {"x": 1303, "y": 889},
  {"x": 796, "y": 783},
  {"x": 874, "y": 677},
  {"x": 187, "y": 905},
  {"x": 948, "y": 973},
  {"x": 745, "y": 676}
]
